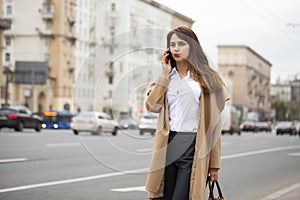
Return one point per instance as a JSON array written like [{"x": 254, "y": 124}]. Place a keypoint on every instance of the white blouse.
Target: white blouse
[{"x": 184, "y": 102}]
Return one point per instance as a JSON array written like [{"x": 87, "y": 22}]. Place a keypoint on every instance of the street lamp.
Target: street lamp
[{"x": 7, "y": 73}]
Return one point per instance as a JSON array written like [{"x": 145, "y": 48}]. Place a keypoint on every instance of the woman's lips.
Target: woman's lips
[{"x": 176, "y": 55}]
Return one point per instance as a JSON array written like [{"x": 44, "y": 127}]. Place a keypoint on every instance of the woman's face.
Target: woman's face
[{"x": 179, "y": 48}]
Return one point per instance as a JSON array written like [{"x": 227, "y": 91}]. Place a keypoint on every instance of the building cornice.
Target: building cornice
[
  {"x": 168, "y": 10},
  {"x": 248, "y": 48}
]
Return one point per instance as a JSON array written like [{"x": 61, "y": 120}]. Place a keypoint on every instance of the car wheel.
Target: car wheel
[
  {"x": 20, "y": 126},
  {"x": 75, "y": 132},
  {"x": 141, "y": 132},
  {"x": 114, "y": 133},
  {"x": 38, "y": 127},
  {"x": 239, "y": 132}
]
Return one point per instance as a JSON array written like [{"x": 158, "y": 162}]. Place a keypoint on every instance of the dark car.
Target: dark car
[
  {"x": 286, "y": 127},
  {"x": 19, "y": 117},
  {"x": 263, "y": 126},
  {"x": 249, "y": 126}
]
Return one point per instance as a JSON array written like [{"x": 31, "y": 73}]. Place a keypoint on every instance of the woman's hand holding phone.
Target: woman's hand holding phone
[{"x": 166, "y": 62}]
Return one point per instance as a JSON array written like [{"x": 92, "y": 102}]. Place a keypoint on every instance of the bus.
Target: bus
[{"x": 54, "y": 119}]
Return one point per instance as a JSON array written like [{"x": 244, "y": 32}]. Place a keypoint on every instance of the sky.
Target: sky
[{"x": 270, "y": 27}]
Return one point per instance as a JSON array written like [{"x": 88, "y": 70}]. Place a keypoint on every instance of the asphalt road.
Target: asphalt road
[{"x": 55, "y": 164}]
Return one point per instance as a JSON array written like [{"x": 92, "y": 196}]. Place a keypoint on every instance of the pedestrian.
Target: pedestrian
[{"x": 189, "y": 95}]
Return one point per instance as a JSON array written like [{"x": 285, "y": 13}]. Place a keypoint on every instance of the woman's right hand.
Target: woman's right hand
[{"x": 166, "y": 63}]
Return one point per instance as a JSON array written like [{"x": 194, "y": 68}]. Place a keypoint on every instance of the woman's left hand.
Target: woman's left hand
[{"x": 214, "y": 174}]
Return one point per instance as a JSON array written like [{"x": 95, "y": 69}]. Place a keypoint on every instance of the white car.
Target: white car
[
  {"x": 148, "y": 123},
  {"x": 94, "y": 122}
]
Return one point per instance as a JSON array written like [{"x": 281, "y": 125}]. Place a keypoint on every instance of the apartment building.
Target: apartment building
[
  {"x": 85, "y": 77},
  {"x": 39, "y": 50},
  {"x": 84, "y": 54},
  {"x": 131, "y": 36},
  {"x": 250, "y": 75}
]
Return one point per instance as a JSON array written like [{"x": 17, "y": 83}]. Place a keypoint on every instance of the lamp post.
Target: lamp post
[{"x": 7, "y": 73}]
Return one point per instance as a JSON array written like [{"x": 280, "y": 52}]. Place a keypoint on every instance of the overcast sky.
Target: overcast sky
[{"x": 269, "y": 27}]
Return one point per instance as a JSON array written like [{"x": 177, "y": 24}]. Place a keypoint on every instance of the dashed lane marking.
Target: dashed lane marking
[
  {"x": 130, "y": 189},
  {"x": 62, "y": 144},
  {"x": 13, "y": 160},
  {"x": 88, "y": 178}
]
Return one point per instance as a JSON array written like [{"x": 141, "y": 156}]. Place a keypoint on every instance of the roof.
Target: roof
[
  {"x": 168, "y": 10},
  {"x": 247, "y": 47}
]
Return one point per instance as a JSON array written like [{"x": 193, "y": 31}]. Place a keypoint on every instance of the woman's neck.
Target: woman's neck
[{"x": 182, "y": 69}]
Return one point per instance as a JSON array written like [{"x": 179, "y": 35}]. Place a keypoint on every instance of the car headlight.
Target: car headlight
[{"x": 55, "y": 126}]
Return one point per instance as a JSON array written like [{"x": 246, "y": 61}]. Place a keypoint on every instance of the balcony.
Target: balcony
[
  {"x": 48, "y": 11},
  {"x": 71, "y": 19},
  {"x": 44, "y": 33},
  {"x": 72, "y": 37},
  {"x": 5, "y": 24}
]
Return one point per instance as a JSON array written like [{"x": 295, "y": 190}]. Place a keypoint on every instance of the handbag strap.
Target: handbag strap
[
  {"x": 211, "y": 185},
  {"x": 218, "y": 188}
]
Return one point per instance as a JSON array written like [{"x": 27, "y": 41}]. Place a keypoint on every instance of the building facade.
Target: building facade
[
  {"x": 250, "y": 75},
  {"x": 96, "y": 55},
  {"x": 41, "y": 31},
  {"x": 130, "y": 37}
]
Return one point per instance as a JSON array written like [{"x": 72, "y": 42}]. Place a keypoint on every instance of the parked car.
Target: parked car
[
  {"x": 148, "y": 123},
  {"x": 94, "y": 122},
  {"x": 286, "y": 127},
  {"x": 297, "y": 124},
  {"x": 264, "y": 126},
  {"x": 249, "y": 126},
  {"x": 230, "y": 120},
  {"x": 19, "y": 117},
  {"x": 128, "y": 123}
]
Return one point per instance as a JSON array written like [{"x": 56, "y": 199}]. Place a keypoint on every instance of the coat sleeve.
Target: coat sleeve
[
  {"x": 219, "y": 102},
  {"x": 156, "y": 93}
]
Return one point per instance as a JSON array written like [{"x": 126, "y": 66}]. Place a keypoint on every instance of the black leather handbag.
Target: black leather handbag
[{"x": 211, "y": 185}]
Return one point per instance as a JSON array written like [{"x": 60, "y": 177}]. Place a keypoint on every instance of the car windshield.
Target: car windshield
[
  {"x": 285, "y": 124},
  {"x": 150, "y": 116},
  {"x": 7, "y": 111}
]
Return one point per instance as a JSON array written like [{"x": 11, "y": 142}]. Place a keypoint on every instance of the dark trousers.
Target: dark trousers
[{"x": 180, "y": 154}]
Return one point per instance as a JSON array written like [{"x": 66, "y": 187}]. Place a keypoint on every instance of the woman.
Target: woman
[{"x": 189, "y": 95}]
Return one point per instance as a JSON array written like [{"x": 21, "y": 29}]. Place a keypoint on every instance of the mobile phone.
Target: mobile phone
[{"x": 171, "y": 59}]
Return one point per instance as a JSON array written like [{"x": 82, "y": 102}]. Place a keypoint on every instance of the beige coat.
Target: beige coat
[{"x": 208, "y": 143}]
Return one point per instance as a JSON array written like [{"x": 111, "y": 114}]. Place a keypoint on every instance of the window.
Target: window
[
  {"x": 7, "y": 57},
  {"x": 9, "y": 10},
  {"x": 113, "y": 7},
  {"x": 110, "y": 79},
  {"x": 7, "y": 41}
]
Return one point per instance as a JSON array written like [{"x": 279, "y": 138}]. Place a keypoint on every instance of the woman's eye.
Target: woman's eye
[
  {"x": 181, "y": 44},
  {"x": 172, "y": 45}
]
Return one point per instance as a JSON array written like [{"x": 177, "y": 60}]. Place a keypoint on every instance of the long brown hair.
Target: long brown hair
[{"x": 208, "y": 78}]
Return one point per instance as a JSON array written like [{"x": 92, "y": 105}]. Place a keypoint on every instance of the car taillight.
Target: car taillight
[
  {"x": 91, "y": 121},
  {"x": 12, "y": 116},
  {"x": 252, "y": 126}
]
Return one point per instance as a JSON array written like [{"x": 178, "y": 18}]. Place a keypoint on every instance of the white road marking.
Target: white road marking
[
  {"x": 294, "y": 154},
  {"x": 130, "y": 189},
  {"x": 13, "y": 160},
  {"x": 258, "y": 152},
  {"x": 282, "y": 192},
  {"x": 144, "y": 150},
  {"x": 62, "y": 144},
  {"x": 88, "y": 178}
]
